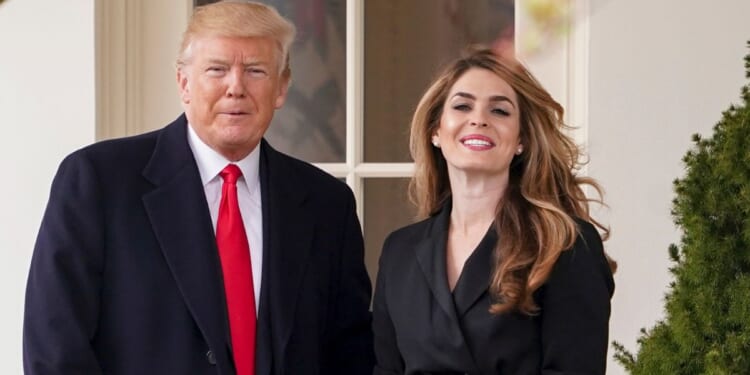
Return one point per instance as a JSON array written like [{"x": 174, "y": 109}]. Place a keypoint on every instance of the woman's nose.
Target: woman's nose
[{"x": 478, "y": 118}]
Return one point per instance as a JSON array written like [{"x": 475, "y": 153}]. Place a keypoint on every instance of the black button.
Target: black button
[{"x": 211, "y": 357}]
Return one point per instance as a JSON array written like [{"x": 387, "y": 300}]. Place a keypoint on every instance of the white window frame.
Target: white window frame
[
  {"x": 565, "y": 69},
  {"x": 123, "y": 64},
  {"x": 355, "y": 169}
]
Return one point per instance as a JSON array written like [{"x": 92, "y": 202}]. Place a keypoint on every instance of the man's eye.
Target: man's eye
[{"x": 256, "y": 72}]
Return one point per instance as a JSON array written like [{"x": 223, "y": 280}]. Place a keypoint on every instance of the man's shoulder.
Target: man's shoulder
[
  {"x": 116, "y": 154},
  {"x": 119, "y": 147}
]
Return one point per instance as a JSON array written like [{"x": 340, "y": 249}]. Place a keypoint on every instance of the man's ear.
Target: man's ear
[
  {"x": 284, "y": 81},
  {"x": 182, "y": 85}
]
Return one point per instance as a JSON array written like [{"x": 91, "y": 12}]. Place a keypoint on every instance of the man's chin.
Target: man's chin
[{"x": 235, "y": 149}]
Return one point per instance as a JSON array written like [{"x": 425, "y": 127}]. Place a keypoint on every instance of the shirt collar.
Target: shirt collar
[{"x": 210, "y": 162}]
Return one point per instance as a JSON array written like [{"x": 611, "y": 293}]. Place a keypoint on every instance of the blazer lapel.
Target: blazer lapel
[
  {"x": 475, "y": 276},
  {"x": 288, "y": 233},
  {"x": 180, "y": 219},
  {"x": 430, "y": 254}
]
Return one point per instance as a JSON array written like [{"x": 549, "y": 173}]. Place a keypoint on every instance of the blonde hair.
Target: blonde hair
[
  {"x": 236, "y": 18},
  {"x": 536, "y": 217}
]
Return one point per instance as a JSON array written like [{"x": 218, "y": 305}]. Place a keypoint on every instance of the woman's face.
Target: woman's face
[{"x": 479, "y": 128}]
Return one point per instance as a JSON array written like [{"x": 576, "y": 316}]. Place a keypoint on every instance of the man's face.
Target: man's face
[{"x": 230, "y": 88}]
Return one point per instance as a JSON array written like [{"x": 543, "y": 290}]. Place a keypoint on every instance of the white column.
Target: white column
[{"x": 47, "y": 106}]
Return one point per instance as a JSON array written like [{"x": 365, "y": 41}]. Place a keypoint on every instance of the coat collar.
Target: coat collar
[
  {"x": 472, "y": 284},
  {"x": 475, "y": 276},
  {"x": 176, "y": 206},
  {"x": 430, "y": 253},
  {"x": 288, "y": 226}
]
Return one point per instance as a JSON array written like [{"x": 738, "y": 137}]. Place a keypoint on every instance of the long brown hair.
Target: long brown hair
[{"x": 536, "y": 217}]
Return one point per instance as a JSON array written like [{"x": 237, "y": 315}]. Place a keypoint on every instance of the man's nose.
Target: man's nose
[{"x": 236, "y": 84}]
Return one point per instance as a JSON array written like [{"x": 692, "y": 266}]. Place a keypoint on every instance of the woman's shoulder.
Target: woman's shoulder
[
  {"x": 588, "y": 237},
  {"x": 410, "y": 234},
  {"x": 585, "y": 259},
  {"x": 402, "y": 243},
  {"x": 588, "y": 242}
]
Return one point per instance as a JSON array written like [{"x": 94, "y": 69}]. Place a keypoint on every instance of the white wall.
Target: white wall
[
  {"x": 46, "y": 111},
  {"x": 659, "y": 72}
]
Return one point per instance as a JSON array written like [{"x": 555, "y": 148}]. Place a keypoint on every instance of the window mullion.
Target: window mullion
[{"x": 354, "y": 97}]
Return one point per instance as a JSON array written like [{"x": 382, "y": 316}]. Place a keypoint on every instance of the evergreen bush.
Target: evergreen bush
[{"x": 707, "y": 325}]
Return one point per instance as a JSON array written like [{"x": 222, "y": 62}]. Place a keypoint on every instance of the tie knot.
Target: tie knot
[{"x": 230, "y": 173}]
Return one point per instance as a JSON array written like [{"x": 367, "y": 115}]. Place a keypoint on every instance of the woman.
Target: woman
[{"x": 507, "y": 274}]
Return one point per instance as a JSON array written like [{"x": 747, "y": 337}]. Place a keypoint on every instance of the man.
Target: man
[{"x": 156, "y": 251}]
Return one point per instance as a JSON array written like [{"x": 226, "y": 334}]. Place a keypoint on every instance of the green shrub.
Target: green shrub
[{"x": 707, "y": 324}]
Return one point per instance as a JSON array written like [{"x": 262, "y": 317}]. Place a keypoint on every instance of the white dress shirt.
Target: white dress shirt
[{"x": 210, "y": 163}]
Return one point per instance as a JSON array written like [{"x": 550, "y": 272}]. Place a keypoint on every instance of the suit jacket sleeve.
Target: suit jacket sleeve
[
  {"x": 388, "y": 357},
  {"x": 575, "y": 305},
  {"x": 351, "y": 340},
  {"x": 62, "y": 294}
]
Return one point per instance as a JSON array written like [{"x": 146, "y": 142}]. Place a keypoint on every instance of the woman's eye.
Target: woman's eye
[
  {"x": 500, "y": 111},
  {"x": 462, "y": 107}
]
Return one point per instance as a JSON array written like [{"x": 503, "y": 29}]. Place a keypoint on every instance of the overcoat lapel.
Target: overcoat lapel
[
  {"x": 181, "y": 221},
  {"x": 288, "y": 227}
]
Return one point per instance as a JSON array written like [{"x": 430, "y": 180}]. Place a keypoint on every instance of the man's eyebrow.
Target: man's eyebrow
[
  {"x": 254, "y": 63},
  {"x": 217, "y": 61}
]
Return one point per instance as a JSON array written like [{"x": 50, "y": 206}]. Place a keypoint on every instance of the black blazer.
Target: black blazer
[
  {"x": 422, "y": 328},
  {"x": 125, "y": 276}
]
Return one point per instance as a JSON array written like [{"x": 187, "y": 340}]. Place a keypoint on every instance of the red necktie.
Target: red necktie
[{"x": 234, "y": 252}]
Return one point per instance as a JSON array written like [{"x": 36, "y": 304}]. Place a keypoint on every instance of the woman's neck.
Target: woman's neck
[{"x": 475, "y": 202}]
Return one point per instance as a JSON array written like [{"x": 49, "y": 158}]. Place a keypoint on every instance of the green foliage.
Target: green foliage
[{"x": 707, "y": 324}]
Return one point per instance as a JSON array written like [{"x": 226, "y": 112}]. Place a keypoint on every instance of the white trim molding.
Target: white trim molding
[
  {"x": 561, "y": 62},
  {"x": 111, "y": 31},
  {"x": 578, "y": 70},
  {"x": 130, "y": 36},
  {"x": 368, "y": 170},
  {"x": 355, "y": 51}
]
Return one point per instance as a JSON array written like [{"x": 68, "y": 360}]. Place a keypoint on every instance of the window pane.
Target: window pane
[
  {"x": 406, "y": 42},
  {"x": 386, "y": 208},
  {"x": 312, "y": 123}
]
